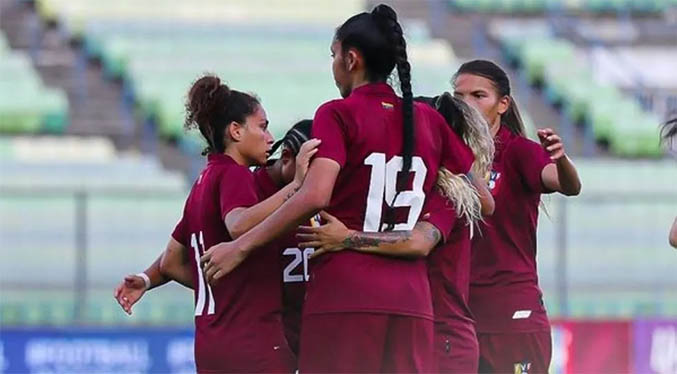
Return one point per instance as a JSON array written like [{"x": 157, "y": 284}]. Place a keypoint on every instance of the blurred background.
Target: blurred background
[{"x": 95, "y": 164}]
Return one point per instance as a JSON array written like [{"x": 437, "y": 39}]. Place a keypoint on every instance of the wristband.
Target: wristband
[{"x": 145, "y": 278}]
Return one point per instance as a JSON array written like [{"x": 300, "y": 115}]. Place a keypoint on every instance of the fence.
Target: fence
[{"x": 600, "y": 255}]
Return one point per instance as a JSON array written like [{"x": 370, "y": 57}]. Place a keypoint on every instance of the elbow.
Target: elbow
[
  {"x": 673, "y": 239},
  {"x": 488, "y": 206},
  {"x": 236, "y": 230},
  {"x": 420, "y": 248},
  {"x": 574, "y": 190}
]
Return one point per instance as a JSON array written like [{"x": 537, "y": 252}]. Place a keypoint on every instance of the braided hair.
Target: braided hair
[
  {"x": 378, "y": 36},
  {"x": 295, "y": 137},
  {"x": 669, "y": 131}
]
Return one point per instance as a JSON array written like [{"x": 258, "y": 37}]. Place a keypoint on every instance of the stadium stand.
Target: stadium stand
[
  {"x": 541, "y": 6},
  {"x": 617, "y": 263},
  {"x": 26, "y": 105},
  {"x": 129, "y": 205},
  {"x": 564, "y": 72},
  {"x": 615, "y": 251},
  {"x": 157, "y": 55}
]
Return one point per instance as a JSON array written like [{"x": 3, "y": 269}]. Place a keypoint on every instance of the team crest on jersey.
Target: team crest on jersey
[
  {"x": 494, "y": 179},
  {"x": 386, "y": 105},
  {"x": 522, "y": 367}
]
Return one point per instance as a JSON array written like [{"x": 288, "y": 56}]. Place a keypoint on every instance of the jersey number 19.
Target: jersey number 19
[{"x": 383, "y": 187}]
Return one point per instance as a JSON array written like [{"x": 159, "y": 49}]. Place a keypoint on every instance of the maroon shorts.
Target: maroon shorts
[
  {"x": 366, "y": 343},
  {"x": 456, "y": 348},
  {"x": 515, "y": 353}
]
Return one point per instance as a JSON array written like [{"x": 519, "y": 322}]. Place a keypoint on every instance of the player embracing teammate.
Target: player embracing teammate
[
  {"x": 379, "y": 158},
  {"x": 370, "y": 309}
]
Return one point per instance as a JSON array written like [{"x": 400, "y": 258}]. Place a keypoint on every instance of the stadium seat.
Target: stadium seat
[
  {"x": 535, "y": 6},
  {"x": 26, "y": 105},
  {"x": 568, "y": 82}
]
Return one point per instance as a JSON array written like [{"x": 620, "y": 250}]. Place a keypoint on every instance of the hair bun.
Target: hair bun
[{"x": 384, "y": 11}]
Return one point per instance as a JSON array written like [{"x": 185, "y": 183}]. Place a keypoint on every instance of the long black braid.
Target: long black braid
[{"x": 386, "y": 19}]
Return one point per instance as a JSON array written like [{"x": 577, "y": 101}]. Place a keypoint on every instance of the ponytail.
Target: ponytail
[
  {"x": 379, "y": 38},
  {"x": 386, "y": 20},
  {"x": 469, "y": 124}
]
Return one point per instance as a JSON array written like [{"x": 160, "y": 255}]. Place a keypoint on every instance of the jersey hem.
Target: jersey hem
[
  {"x": 516, "y": 331},
  {"x": 378, "y": 311}
]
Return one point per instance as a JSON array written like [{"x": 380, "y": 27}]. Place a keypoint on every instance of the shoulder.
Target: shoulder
[
  {"x": 333, "y": 106},
  {"x": 233, "y": 172},
  {"x": 427, "y": 110}
]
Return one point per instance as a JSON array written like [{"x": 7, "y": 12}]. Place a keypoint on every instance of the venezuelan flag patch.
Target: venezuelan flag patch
[{"x": 387, "y": 105}]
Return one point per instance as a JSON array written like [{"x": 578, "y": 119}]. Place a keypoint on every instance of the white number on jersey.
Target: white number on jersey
[
  {"x": 288, "y": 275},
  {"x": 202, "y": 286},
  {"x": 383, "y": 187}
]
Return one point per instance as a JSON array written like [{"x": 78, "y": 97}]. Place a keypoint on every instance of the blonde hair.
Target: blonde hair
[{"x": 475, "y": 133}]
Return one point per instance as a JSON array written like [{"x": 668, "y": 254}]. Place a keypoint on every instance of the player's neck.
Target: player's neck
[
  {"x": 236, "y": 156},
  {"x": 358, "y": 81},
  {"x": 495, "y": 127}
]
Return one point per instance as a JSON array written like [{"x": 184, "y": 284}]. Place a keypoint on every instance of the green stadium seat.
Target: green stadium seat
[{"x": 26, "y": 105}]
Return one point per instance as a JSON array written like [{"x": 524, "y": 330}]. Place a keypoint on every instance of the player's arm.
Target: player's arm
[
  {"x": 240, "y": 220},
  {"x": 673, "y": 234},
  {"x": 560, "y": 176},
  {"x": 334, "y": 236},
  {"x": 314, "y": 195},
  {"x": 486, "y": 200},
  {"x": 174, "y": 264},
  {"x": 134, "y": 286}
]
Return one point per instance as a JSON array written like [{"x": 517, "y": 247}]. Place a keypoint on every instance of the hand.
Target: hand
[
  {"x": 329, "y": 237},
  {"x": 552, "y": 143},
  {"x": 306, "y": 152},
  {"x": 129, "y": 292},
  {"x": 220, "y": 260}
]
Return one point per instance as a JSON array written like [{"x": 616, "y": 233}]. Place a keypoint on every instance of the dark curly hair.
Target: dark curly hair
[{"x": 211, "y": 106}]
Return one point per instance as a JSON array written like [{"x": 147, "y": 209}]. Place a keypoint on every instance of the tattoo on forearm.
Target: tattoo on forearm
[
  {"x": 433, "y": 234},
  {"x": 363, "y": 240},
  {"x": 291, "y": 193}
]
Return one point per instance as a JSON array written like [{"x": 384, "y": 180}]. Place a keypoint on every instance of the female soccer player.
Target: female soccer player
[
  {"x": 512, "y": 325},
  {"x": 668, "y": 132},
  {"x": 456, "y": 347},
  {"x": 373, "y": 171},
  {"x": 238, "y": 322},
  {"x": 294, "y": 260},
  {"x": 269, "y": 180}
]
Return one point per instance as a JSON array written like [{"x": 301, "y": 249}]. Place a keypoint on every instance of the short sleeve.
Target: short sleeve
[
  {"x": 237, "y": 189},
  {"x": 529, "y": 159},
  {"x": 439, "y": 212},
  {"x": 328, "y": 127},
  {"x": 180, "y": 233},
  {"x": 457, "y": 157}
]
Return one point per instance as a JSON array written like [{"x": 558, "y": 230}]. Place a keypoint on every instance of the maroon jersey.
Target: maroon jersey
[
  {"x": 504, "y": 292},
  {"x": 294, "y": 268},
  {"x": 449, "y": 266},
  {"x": 363, "y": 134},
  {"x": 238, "y": 325}
]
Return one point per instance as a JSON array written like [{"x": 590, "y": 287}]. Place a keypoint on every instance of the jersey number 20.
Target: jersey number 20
[{"x": 383, "y": 187}]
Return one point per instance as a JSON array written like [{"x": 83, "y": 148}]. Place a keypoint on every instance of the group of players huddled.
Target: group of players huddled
[{"x": 391, "y": 234}]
